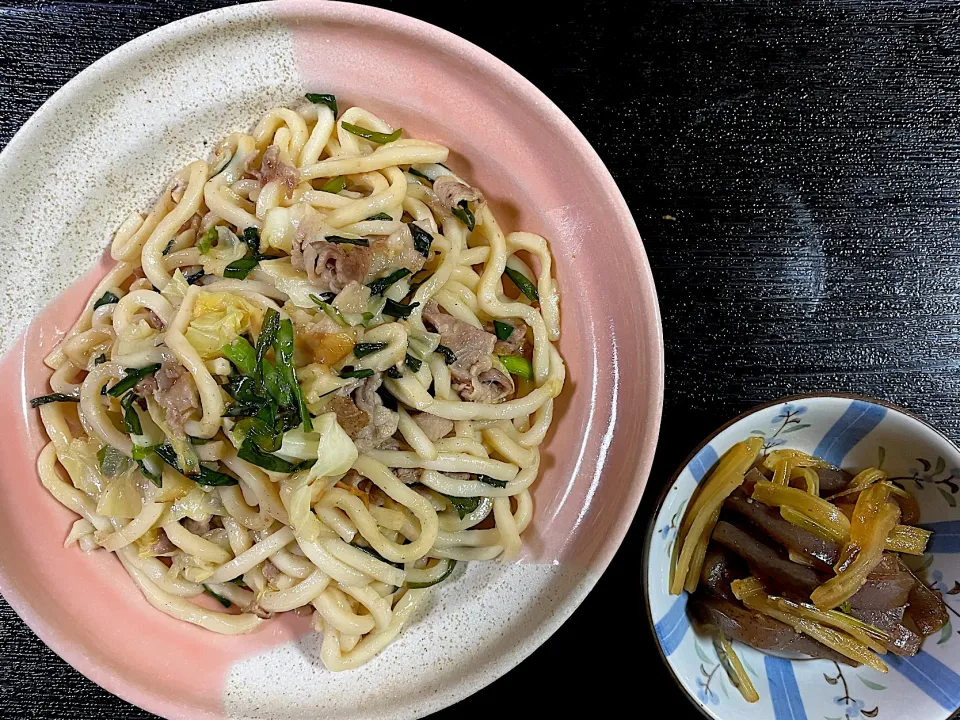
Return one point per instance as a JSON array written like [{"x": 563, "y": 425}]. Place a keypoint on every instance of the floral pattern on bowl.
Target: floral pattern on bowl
[{"x": 853, "y": 433}]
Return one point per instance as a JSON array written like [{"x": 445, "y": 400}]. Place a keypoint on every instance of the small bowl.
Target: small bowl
[{"x": 853, "y": 433}]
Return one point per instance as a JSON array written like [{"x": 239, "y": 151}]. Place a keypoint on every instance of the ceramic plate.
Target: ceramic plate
[
  {"x": 107, "y": 143},
  {"x": 853, "y": 433}
]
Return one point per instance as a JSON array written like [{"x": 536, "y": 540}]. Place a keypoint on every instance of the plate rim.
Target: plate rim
[{"x": 279, "y": 11}]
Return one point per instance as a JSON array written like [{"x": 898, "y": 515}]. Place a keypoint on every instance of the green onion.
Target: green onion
[
  {"x": 380, "y": 285},
  {"x": 503, "y": 330},
  {"x": 192, "y": 277},
  {"x": 417, "y": 173},
  {"x": 517, "y": 365},
  {"x": 335, "y": 185},
  {"x": 142, "y": 452},
  {"x": 239, "y": 269},
  {"x": 395, "y": 309},
  {"x": 463, "y": 505},
  {"x": 131, "y": 379},
  {"x": 242, "y": 410},
  {"x": 242, "y": 354},
  {"x": 374, "y": 553},
  {"x": 523, "y": 284},
  {"x": 487, "y": 480},
  {"x": 169, "y": 247},
  {"x": 330, "y": 310},
  {"x": 113, "y": 463},
  {"x": 131, "y": 421},
  {"x": 251, "y": 238},
  {"x": 108, "y": 298},
  {"x": 349, "y": 372},
  {"x": 283, "y": 345},
  {"x": 463, "y": 213},
  {"x": 204, "y": 475},
  {"x": 422, "y": 240},
  {"x": 363, "y": 349},
  {"x": 372, "y": 135},
  {"x": 252, "y": 454},
  {"x": 380, "y": 216},
  {"x": 219, "y": 598},
  {"x": 324, "y": 99},
  {"x": 52, "y": 398},
  {"x": 268, "y": 333},
  {"x": 100, "y": 359},
  {"x": 394, "y": 373},
  {"x": 448, "y": 355},
  {"x": 140, "y": 455},
  {"x": 413, "y": 363},
  {"x": 207, "y": 241},
  {"x": 451, "y": 564},
  {"x": 328, "y": 297},
  {"x": 338, "y": 240}
]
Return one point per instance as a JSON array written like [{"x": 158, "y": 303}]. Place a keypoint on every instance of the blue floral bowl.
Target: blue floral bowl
[{"x": 853, "y": 433}]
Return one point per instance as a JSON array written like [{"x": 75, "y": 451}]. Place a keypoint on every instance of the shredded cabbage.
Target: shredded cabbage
[
  {"x": 218, "y": 319},
  {"x": 318, "y": 381},
  {"x": 176, "y": 289},
  {"x": 336, "y": 452},
  {"x": 290, "y": 281},
  {"x": 79, "y": 459},
  {"x": 228, "y": 249},
  {"x": 120, "y": 497},
  {"x": 299, "y": 445},
  {"x": 175, "y": 486}
]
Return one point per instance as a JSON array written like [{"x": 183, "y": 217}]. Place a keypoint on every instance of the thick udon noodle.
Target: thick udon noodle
[{"x": 356, "y": 557}]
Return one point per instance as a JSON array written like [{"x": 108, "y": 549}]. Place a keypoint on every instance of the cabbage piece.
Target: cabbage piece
[
  {"x": 280, "y": 226},
  {"x": 296, "y": 492},
  {"x": 353, "y": 299},
  {"x": 187, "y": 459},
  {"x": 198, "y": 505},
  {"x": 176, "y": 289},
  {"x": 299, "y": 445},
  {"x": 136, "y": 337},
  {"x": 290, "y": 281},
  {"x": 120, "y": 497},
  {"x": 229, "y": 248},
  {"x": 317, "y": 381},
  {"x": 79, "y": 459},
  {"x": 218, "y": 319},
  {"x": 420, "y": 343},
  {"x": 175, "y": 486},
  {"x": 336, "y": 452}
]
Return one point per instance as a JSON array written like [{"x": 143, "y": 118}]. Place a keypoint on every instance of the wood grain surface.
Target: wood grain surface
[{"x": 794, "y": 169}]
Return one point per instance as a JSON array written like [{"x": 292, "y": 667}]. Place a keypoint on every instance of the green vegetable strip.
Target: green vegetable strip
[
  {"x": 523, "y": 285},
  {"x": 242, "y": 354},
  {"x": 324, "y": 99},
  {"x": 100, "y": 359},
  {"x": 413, "y": 363},
  {"x": 449, "y": 356},
  {"x": 517, "y": 365},
  {"x": 487, "y": 480},
  {"x": 108, "y": 298},
  {"x": 380, "y": 216},
  {"x": 252, "y": 454},
  {"x": 417, "y": 173},
  {"x": 503, "y": 330},
  {"x": 192, "y": 277},
  {"x": 207, "y": 241},
  {"x": 143, "y": 452},
  {"x": 349, "y": 372},
  {"x": 463, "y": 505},
  {"x": 335, "y": 185},
  {"x": 395, "y": 309},
  {"x": 394, "y": 373},
  {"x": 204, "y": 476},
  {"x": 372, "y": 135},
  {"x": 219, "y": 598},
  {"x": 131, "y": 379},
  {"x": 288, "y": 372},
  {"x": 451, "y": 564},
  {"x": 131, "y": 421},
  {"x": 52, "y": 398},
  {"x": 338, "y": 240},
  {"x": 239, "y": 269},
  {"x": 380, "y": 285},
  {"x": 330, "y": 310},
  {"x": 251, "y": 238},
  {"x": 374, "y": 553},
  {"x": 422, "y": 240},
  {"x": 463, "y": 213},
  {"x": 361, "y": 350},
  {"x": 268, "y": 333}
]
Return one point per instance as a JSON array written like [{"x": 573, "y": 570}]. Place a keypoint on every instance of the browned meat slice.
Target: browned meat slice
[
  {"x": 332, "y": 266},
  {"x": 832, "y": 480},
  {"x": 765, "y": 561},
  {"x": 720, "y": 568},
  {"x": 886, "y": 587},
  {"x": 785, "y": 533},
  {"x": 407, "y": 476},
  {"x": 173, "y": 389},
  {"x": 196, "y": 527},
  {"x": 383, "y": 421},
  {"x": 490, "y": 386},
  {"x": 926, "y": 608},
  {"x": 515, "y": 343},
  {"x": 351, "y": 418},
  {"x": 433, "y": 426},
  {"x": 270, "y": 571},
  {"x": 452, "y": 192},
  {"x": 273, "y": 168},
  {"x": 753, "y": 628},
  {"x": 153, "y": 320}
]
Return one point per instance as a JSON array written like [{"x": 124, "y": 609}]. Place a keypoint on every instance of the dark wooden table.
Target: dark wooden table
[{"x": 795, "y": 172}]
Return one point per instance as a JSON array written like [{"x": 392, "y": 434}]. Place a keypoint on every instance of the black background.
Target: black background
[{"x": 810, "y": 155}]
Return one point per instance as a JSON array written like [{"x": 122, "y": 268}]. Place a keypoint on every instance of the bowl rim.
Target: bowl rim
[
  {"x": 280, "y": 11},
  {"x": 665, "y": 491}
]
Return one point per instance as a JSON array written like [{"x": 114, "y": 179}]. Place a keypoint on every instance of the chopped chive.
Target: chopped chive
[
  {"x": 131, "y": 379},
  {"x": 380, "y": 285},
  {"x": 329, "y": 309},
  {"x": 411, "y": 362},
  {"x": 451, "y": 564},
  {"x": 283, "y": 346},
  {"x": 242, "y": 354},
  {"x": 239, "y": 269},
  {"x": 372, "y": 135},
  {"x": 328, "y": 297},
  {"x": 503, "y": 330},
  {"x": 361, "y": 350},
  {"x": 517, "y": 365},
  {"x": 108, "y": 298},
  {"x": 251, "y": 238},
  {"x": 52, "y": 398},
  {"x": 338, "y": 240},
  {"x": 349, "y": 372},
  {"x": 252, "y": 454},
  {"x": 207, "y": 241},
  {"x": 395, "y": 309},
  {"x": 463, "y": 213},
  {"x": 448, "y": 355},
  {"x": 131, "y": 421},
  {"x": 463, "y": 505},
  {"x": 324, "y": 99},
  {"x": 100, "y": 359},
  {"x": 492, "y": 482},
  {"x": 192, "y": 277},
  {"x": 417, "y": 173},
  {"x": 204, "y": 476},
  {"x": 394, "y": 373},
  {"x": 523, "y": 284},
  {"x": 335, "y": 185},
  {"x": 422, "y": 240},
  {"x": 169, "y": 247},
  {"x": 219, "y": 598},
  {"x": 380, "y": 216}
]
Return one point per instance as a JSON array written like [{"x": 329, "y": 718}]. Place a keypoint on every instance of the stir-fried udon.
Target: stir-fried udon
[{"x": 316, "y": 379}]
